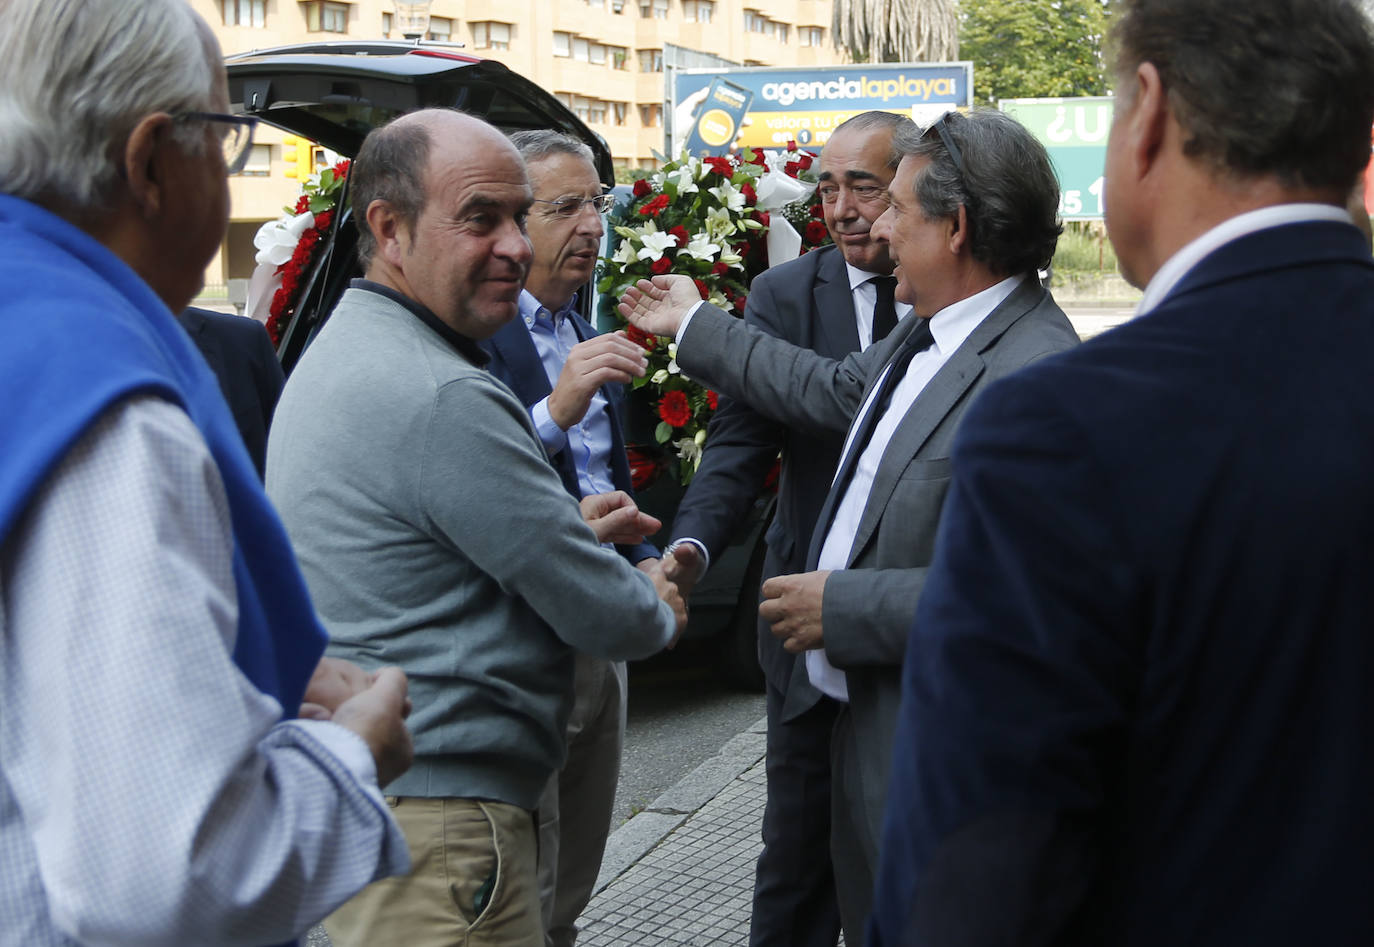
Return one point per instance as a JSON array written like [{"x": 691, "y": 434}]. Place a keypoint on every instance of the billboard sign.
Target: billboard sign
[
  {"x": 805, "y": 105},
  {"x": 1074, "y": 132}
]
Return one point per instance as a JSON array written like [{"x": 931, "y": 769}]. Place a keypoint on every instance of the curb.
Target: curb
[{"x": 644, "y": 830}]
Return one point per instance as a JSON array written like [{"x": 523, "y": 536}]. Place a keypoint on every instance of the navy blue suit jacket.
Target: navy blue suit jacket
[
  {"x": 1138, "y": 697},
  {"x": 241, "y": 355},
  {"x": 807, "y": 302},
  {"x": 515, "y": 361}
]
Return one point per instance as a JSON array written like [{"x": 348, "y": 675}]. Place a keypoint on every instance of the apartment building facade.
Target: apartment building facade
[{"x": 604, "y": 59}]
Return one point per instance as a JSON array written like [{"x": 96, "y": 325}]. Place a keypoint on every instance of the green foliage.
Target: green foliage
[
  {"x": 1083, "y": 251},
  {"x": 1034, "y": 48}
]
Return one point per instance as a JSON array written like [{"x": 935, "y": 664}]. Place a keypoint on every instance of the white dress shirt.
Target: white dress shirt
[
  {"x": 949, "y": 327},
  {"x": 148, "y": 792},
  {"x": 1178, "y": 265},
  {"x": 865, "y": 295}
]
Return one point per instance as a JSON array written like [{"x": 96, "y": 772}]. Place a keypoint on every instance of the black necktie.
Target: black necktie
[
  {"x": 918, "y": 340},
  {"x": 885, "y": 309}
]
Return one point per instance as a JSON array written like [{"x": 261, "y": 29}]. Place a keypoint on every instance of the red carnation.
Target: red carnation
[
  {"x": 712, "y": 399},
  {"x": 642, "y": 187},
  {"x": 817, "y": 211},
  {"x": 302, "y": 204},
  {"x": 680, "y": 234},
  {"x": 661, "y": 265},
  {"x": 702, "y": 288},
  {"x": 762, "y": 217},
  {"x": 721, "y": 166},
  {"x": 341, "y": 169},
  {"x": 741, "y": 249},
  {"x": 641, "y": 338},
  {"x": 654, "y": 206},
  {"x": 815, "y": 231},
  {"x": 323, "y": 219},
  {"x": 674, "y": 408},
  {"x": 720, "y": 268},
  {"x": 751, "y": 196}
]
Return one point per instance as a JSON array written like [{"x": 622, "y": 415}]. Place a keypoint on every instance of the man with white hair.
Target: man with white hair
[{"x": 156, "y": 639}]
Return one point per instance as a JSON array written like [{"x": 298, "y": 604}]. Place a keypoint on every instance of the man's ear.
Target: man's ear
[
  {"x": 956, "y": 230},
  {"x": 1147, "y": 120},
  {"x": 389, "y": 232},
  {"x": 144, "y": 168}
]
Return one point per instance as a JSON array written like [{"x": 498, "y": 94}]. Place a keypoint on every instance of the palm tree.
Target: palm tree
[{"x": 897, "y": 30}]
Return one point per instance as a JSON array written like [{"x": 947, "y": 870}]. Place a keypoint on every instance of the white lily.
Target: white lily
[
  {"x": 624, "y": 254},
  {"x": 729, "y": 195},
  {"x": 701, "y": 247},
  {"x": 718, "y": 223},
  {"x": 655, "y": 244},
  {"x": 688, "y": 450},
  {"x": 660, "y": 376},
  {"x": 684, "y": 178}
]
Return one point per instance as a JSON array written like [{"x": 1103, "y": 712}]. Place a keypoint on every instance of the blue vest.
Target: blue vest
[{"x": 80, "y": 331}]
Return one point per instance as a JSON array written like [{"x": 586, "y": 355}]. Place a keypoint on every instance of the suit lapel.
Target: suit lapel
[
  {"x": 934, "y": 404},
  {"x": 526, "y": 374},
  {"x": 834, "y": 303}
]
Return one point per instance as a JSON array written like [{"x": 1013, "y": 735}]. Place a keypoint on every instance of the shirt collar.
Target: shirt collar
[
  {"x": 858, "y": 277},
  {"x": 466, "y": 347},
  {"x": 956, "y": 322},
  {"x": 531, "y": 308},
  {"x": 1178, "y": 265}
]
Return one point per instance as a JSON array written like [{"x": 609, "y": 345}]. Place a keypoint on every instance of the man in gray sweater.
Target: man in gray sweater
[{"x": 435, "y": 535}]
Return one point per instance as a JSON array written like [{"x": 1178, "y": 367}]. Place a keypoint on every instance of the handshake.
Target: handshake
[{"x": 614, "y": 518}]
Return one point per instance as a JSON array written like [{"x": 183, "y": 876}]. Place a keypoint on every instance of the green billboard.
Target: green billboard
[{"x": 1074, "y": 131}]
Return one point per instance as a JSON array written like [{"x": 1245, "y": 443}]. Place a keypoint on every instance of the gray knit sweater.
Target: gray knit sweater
[{"x": 434, "y": 535}]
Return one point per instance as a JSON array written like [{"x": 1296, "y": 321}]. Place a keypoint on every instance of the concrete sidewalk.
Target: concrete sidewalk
[{"x": 682, "y": 870}]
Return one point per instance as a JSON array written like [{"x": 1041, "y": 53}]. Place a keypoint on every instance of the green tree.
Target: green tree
[
  {"x": 896, "y": 30},
  {"x": 1034, "y": 48}
]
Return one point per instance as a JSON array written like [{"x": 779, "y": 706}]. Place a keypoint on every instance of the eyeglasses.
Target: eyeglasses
[
  {"x": 236, "y": 140},
  {"x": 567, "y": 208},
  {"x": 940, "y": 129}
]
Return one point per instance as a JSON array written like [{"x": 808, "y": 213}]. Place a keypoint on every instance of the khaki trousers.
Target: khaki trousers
[{"x": 471, "y": 882}]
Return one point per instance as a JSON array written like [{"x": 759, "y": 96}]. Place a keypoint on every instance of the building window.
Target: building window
[
  {"x": 596, "y": 111},
  {"x": 596, "y": 54},
  {"x": 754, "y": 21},
  {"x": 259, "y": 163},
  {"x": 783, "y": 30},
  {"x": 595, "y": 3},
  {"x": 386, "y": 26},
  {"x": 440, "y": 29},
  {"x": 321, "y": 16},
  {"x": 658, "y": 9},
  {"x": 562, "y": 44},
  {"x": 618, "y": 112},
  {"x": 489, "y": 34},
  {"x": 811, "y": 35},
  {"x": 620, "y": 57},
  {"x": 564, "y": 99},
  {"x": 651, "y": 60},
  {"x": 699, "y": 10},
  {"x": 580, "y": 47},
  {"x": 617, "y": 6},
  {"x": 650, "y": 115},
  {"x": 244, "y": 12}
]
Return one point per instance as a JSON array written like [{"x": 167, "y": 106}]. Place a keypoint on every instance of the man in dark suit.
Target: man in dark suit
[
  {"x": 833, "y": 301},
  {"x": 972, "y": 215},
  {"x": 241, "y": 355},
  {"x": 569, "y": 378},
  {"x": 1137, "y": 695}
]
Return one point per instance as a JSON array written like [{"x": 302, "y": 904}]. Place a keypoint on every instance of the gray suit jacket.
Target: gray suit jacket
[{"x": 868, "y": 607}]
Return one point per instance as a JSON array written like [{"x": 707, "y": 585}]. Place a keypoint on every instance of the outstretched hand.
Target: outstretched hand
[
  {"x": 659, "y": 305},
  {"x": 615, "y": 518}
]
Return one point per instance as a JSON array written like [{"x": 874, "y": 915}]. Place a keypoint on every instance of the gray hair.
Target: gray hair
[
  {"x": 76, "y": 77},
  {"x": 1007, "y": 187},
  {"x": 390, "y": 167},
  {"x": 1282, "y": 88},
  {"x": 876, "y": 120},
  {"x": 542, "y": 143}
]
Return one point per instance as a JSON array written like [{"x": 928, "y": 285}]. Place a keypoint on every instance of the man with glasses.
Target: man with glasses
[
  {"x": 569, "y": 379},
  {"x": 971, "y": 217},
  {"x": 157, "y": 644},
  {"x": 834, "y": 301}
]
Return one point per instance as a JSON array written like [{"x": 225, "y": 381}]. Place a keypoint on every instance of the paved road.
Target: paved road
[{"x": 680, "y": 714}]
